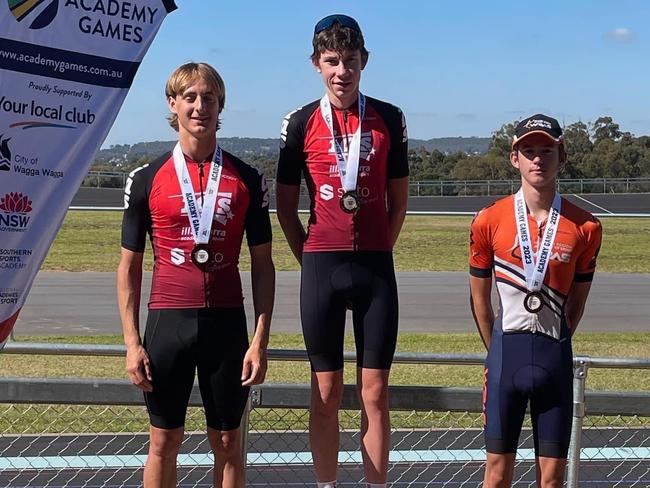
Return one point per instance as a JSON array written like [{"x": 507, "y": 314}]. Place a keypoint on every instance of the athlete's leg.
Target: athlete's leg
[
  {"x": 505, "y": 397},
  {"x": 322, "y": 311},
  {"x": 229, "y": 469},
  {"x": 172, "y": 364},
  {"x": 551, "y": 408},
  {"x": 550, "y": 472},
  {"x": 326, "y": 393},
  {"x": 498, "y": 470},
  {"x": 160, "y": 468},
  {"x": 223, "y": 342},
  {"x": 375, "y": 317},
  {"x": 372, "y": 387}
]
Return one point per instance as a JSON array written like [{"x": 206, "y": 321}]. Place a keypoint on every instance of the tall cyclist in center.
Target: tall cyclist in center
[{"x": 352, "y": 151}]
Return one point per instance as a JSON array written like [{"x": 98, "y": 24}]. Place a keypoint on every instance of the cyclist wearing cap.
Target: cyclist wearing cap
[
  {"x": 542, "y": 251},
  {"x": 195, "y": 203},
  {"x": 352, "y": 151}
]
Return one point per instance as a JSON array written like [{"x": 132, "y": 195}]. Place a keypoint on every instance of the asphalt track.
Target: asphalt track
[
  {"x": 611, "y": 203},
  {"x": 63, "y": 303}
]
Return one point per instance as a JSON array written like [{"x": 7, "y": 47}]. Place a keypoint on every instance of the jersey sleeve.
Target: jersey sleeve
[
  {"x": 481, "y": 252},
  {"x": 136, "y": 220},
  {"x": 398, "y": 164},
  {"x": 586, "y": 263},
  {"x": 258, "y": 223},
  {"x": 292, "y": 156}
]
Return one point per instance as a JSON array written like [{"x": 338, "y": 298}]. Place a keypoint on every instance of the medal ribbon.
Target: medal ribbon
[
  {"x": 348, "y": 167},
  {"x": 535, "y": 266},
  {"x": 200, "y": 217}
]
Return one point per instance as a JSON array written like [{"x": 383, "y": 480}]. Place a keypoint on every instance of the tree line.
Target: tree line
[{"x": 594, "y": 150}]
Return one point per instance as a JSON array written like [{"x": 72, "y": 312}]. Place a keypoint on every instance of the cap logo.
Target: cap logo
[{"x": 544, "y": 124}]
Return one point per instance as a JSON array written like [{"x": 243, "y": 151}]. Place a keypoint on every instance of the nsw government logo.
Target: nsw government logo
[
  {"x": 34, "y": 12},
  {"x": 14, "y": 210},
  {"x": 5, "y": 153}
]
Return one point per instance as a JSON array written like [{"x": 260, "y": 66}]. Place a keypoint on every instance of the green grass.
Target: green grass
[
  {"x": 90, "y": 241},
  {"x": 590, "y": 344},
  {"x": 97, "y": 419}
]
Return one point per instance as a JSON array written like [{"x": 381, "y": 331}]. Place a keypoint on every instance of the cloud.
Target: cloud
[{"x": 620, "y": 34}]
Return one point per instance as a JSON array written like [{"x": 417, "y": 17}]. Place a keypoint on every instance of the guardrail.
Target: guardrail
[
  {"x": 438, "y": 188},
  {"x": 71, "y": 431}
]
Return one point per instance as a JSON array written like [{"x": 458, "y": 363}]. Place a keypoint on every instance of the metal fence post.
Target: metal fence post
[
  {"x": 243, "y": 447},
  {"x": 580, "y": 368}
]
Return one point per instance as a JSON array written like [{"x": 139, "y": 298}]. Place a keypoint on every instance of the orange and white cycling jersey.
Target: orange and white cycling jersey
[{"x": 494, "y": 245}]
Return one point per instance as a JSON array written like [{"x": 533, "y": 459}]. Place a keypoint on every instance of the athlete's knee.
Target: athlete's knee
[
  {"x": 326, "y": 398},
  {"x": 374, "y": 392},
  {"x": 498, "y": 470},
  {"x": 165, "y": 443},
  {"x": 552, "y": 483},
  {"x": 225, "y": 444},
  {"x": 496, "y": 479}
]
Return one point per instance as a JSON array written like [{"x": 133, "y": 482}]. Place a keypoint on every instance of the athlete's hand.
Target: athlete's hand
[
  {"x": 138, "y": 368},
  {"x": 254, "y": 367}
]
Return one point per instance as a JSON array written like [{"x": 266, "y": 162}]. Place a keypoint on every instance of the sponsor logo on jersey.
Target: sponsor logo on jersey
[
  {"x": 265, "y": 190},
  {"x": 129, "y": 182},
  {"x": 561, "y": 252},
  {"x": 222, "y": 211},
  {"x": 326, "y": 192},
  {"x": 177, "y": 256},
  {"x": 14, "y": 210},
  {"x": 364, "y": 170},
  {"x": 284, "y": 128},
  {"x": 366, "y": 150}
]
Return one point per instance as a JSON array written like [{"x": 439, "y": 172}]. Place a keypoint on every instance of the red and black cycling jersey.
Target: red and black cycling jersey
[
  {"x": 307, "y": 149},
  {"x": 153, "y": 205}
]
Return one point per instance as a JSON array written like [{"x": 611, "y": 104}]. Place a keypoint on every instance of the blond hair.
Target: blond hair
[{"x": 185, "y": 76}]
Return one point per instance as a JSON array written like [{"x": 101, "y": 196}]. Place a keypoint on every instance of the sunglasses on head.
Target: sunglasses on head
[{"x": 345, "y": 21}]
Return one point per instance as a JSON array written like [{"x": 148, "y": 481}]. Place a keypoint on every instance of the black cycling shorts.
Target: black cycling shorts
[
  {"x": 522, "y": 367},
  {"x": 361, "y": 280},
  {"x": 212, "y": 341}
]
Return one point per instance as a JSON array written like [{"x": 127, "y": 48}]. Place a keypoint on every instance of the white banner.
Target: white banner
[{"x": 65, "y": 69}]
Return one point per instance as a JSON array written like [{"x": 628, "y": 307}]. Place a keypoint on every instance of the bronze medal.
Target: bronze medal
[{"x": 350, "y": 202}]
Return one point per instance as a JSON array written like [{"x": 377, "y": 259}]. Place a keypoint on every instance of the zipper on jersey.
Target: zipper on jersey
[
  {"x": 201, "y": 180},
  {"x": 206, "y": 296},
  {"x": 345, "y": 129}
]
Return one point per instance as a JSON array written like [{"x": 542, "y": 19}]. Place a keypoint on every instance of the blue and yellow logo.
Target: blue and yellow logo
[{"x": 33, "y": 9}]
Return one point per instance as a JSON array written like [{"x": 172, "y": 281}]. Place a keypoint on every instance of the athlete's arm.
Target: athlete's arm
[
  {"x": 575, "y": 304},
  {"x": 398, "y": 194},
  {"x": 481, "y": 303},
  {"x": 129, "y": 283},
  {"x": 263, "y": 285},
  {"x": 287, "y": 204}
]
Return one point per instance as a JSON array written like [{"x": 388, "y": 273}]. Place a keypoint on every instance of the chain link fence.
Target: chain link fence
[{"x": 93, "y": 433}]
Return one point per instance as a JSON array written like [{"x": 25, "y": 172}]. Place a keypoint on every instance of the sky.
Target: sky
[{"x": 456, "y": 68}]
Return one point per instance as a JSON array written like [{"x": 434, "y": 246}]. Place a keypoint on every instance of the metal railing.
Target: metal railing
[
  {"x": 442, "y": 188},
  {"x": 81, "y": 432}
]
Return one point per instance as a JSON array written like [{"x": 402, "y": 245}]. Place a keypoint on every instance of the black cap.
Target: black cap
[{"x": 538, "y": 124}]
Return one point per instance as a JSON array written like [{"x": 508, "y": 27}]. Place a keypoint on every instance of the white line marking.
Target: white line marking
[{"x": 592, "y": 203}]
